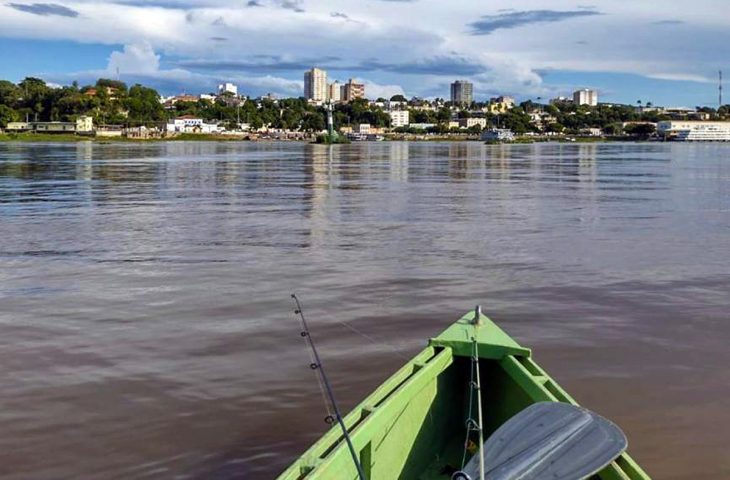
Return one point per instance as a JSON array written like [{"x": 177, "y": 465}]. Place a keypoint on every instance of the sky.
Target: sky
[{"x": 667, "y": 52}]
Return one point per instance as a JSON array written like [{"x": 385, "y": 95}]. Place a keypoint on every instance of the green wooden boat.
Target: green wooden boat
[{"x": 412, "y": 426}]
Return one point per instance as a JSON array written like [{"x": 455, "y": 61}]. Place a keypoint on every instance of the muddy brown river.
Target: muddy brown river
[{"x": 146, "y": 329}]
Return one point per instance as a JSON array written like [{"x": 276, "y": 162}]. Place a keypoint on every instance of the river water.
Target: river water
[{"x": 147, "y": 329}]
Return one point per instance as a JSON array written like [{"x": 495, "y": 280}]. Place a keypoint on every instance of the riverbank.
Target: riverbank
[
  {"x": 70, "y": 138},
  {"x": 201, "y": 137}
]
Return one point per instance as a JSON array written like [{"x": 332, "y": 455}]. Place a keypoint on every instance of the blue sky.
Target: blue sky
[{"x": 527, "y": 48}]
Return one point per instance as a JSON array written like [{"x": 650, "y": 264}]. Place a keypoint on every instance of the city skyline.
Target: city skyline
[{"x": 625, "y": 52}]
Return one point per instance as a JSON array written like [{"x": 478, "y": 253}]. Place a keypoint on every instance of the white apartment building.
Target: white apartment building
[
  {"x": 694, "y": 131},
  {"x": 399, "y": 118},
  {"x": 84, "y": 124},
  {"x": 470, "y": 122},
  {"x": 227, "y": 88},
  {"x": 334, "y": 92},
  {"x": 190, "y": 124},
  {"x": 315, "y": 85},
  {"x": 585, "y": 97}
]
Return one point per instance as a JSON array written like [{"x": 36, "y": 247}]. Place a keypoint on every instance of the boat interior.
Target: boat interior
[{"x": 413, "y": 426}]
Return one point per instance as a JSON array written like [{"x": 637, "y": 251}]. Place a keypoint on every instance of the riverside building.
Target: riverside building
[
  {"x": 694, "y": 131},
  {"x": 315, "y": 85},
  {"x": 585, "y": 97},
  {"x": 351, "y": 91},
  {"x": 462, "y": 92},
  {"x": 399, "y": 118},
  {"x": 334, "y": 92}
]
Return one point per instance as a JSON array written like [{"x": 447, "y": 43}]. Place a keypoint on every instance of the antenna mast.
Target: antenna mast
[{"x": 720, "y": 90}]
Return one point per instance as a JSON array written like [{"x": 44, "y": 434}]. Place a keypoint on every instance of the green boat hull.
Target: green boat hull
[{"x": 412, "y": 426}]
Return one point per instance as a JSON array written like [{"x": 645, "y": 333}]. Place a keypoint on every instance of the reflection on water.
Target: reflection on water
[{"x": 144, "y": 291}]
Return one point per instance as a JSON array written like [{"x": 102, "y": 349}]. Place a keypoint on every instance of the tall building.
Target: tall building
[
  {"x": 227, "y": 88},
  {"x": 315, "y": 85},
  {"x": 352, "y": 90},
  {"x": 334, "y": 94},
  {"x": 462, "y": 92},
  {"x": 585, "y": 97}
]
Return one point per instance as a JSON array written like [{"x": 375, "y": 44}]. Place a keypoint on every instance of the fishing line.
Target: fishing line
[{"x": 318, "y": 367}]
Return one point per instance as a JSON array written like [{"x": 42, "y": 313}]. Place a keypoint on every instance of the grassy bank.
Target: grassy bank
[{"x": 70, "y": 138}]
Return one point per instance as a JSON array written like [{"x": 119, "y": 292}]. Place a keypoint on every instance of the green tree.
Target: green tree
[
  {"x": 35, "y": 98},
  {"x": 7, "y": 115},
  {"x": 10, "y": 94},
  {"x": 641, "y": 130},
  {"x": 143, "y": 105}
]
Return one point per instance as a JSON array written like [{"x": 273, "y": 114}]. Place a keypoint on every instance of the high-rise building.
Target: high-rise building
[
  {"x": 227, "y": 88},
  {"x": 334, "y": 93},
  {"x": 352, "y": 90},
  {"x": 315, "y": 85},
  {"x": 585, "y": 97},
  {"x": 462, "y": 92}
]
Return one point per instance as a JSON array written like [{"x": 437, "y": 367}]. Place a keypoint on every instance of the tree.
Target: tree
[
  {"x": 398, "y": 98},
  {"x": 35, "y": 95},
  {"x": 113, "y": 84},
  {"x": 613, "y": 129},
  {"x": 314, "y": 122},
  {"x": 143, "y": 104},
  {"x": 641, "y": 130},
  {"x": 555, "y": 127},
  {"x": 7, "y": 115},
  {"x": 10, "y": 93}
]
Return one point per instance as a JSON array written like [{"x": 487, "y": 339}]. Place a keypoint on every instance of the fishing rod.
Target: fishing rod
[{"x": 319, "y": 368}]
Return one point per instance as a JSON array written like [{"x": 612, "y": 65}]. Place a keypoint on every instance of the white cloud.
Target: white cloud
[
  {"x": 626, "y": 37},
  {"x": 135, "y": 59},
  {"x": 375, "y": 90}
]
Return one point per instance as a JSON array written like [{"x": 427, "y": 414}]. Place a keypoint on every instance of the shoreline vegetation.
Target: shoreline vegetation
[{"x": 113, "y": 107}]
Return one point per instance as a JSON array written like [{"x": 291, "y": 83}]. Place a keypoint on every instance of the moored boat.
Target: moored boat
[{"x": 414, "y": 425}]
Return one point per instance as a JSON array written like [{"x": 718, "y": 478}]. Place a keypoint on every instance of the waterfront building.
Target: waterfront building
[
  {"x": 315, "y": 85},
  {"x": 471, "y": 122},
  {"x": 83, "y": 124},
  {"x": 190, "y": 124},
  {"x": 334, "y": 93},
  {"x": 399, "y": 118},
  {"x": 227, "y": 88},
  {"x": 54, "y": 127},
  {"x": 585, "y": 97},
  {"x": 498, "y": 135},
  {"x": 352, "y": 90},
  {"x": 18, "y": 127},
  {"x": 694, "y": 131},
  {"x": 362, "y": 128},
  {"x": 462, "y": 92},
  {"x": 422, "y": 126}
]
